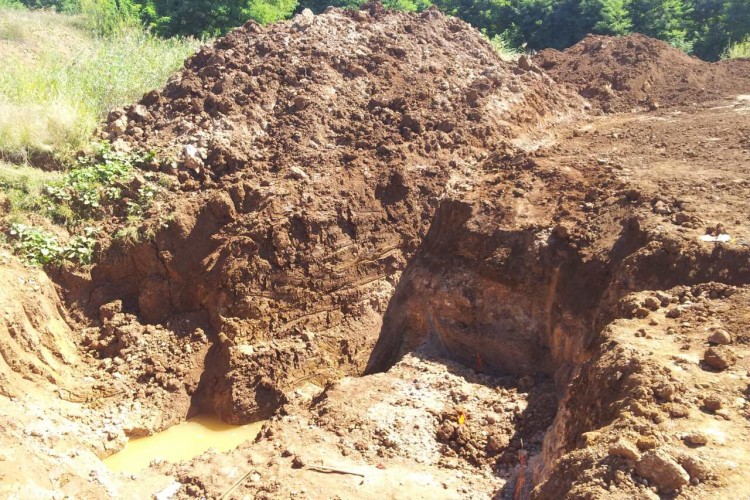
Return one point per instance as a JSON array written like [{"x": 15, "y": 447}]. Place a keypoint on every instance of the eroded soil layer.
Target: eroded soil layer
[{"x": 532, "y": 292}]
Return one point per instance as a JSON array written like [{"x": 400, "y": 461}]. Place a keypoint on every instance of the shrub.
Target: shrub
[
  {"x": 738, "y": 49},
  {"x": 39, "y": 247}
]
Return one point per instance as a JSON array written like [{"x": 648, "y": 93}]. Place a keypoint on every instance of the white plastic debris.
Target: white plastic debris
[{"x": 723, "y": 238}]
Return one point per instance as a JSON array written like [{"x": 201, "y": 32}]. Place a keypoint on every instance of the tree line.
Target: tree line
[{"x": 705, "y": 28}]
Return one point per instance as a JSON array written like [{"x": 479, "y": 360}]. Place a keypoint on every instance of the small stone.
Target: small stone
[
  {"x": 497, "y": 442},
  {"x": 720, "y": 337},
  {"x": 662, "y": 470},
  {"x": 697, "y": 468},
  {"x": 118, "y": 127},
  {"x": 719, "y": 358},
  {"x": 675, "y": 312},
  {"x": 297, "y": 462},
  {"x": 652, "y": 303},
  {"x": 626, "y": 449},
  {"x": 308, "y": 336},
  {"x": 661, "y": 208},
  {"x": 297, "y": 173},
  {"x": 723, "y": 413},
  {"x": 712, "y": 403},
  {"x": 191, "y": 158},
  {"x": 696, "y": 438}
]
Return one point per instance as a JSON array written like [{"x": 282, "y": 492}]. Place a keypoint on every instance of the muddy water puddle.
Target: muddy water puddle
[{"x": 181, "y": 442}]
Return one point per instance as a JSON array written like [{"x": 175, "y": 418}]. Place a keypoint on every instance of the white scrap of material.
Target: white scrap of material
[{"x": 721, "y": 237}]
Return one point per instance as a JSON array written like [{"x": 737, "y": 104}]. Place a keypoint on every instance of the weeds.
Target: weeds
[
  {"x": 39, "y": 247},
  {"x": 108, "y": 183},
  {"x": 58, "y": 79},
  {"x": 738, "y": 49},
  {"x": 86, "y": 186},
  {"x": 504, "y": 49}
]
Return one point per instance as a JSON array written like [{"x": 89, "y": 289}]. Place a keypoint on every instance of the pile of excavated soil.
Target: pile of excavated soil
[
  {"x": 310, "y": 156},
  {"x": 621, "y": 73},
  {"x": 530, "y": 291}
]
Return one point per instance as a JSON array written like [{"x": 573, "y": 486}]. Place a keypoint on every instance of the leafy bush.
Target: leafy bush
[
  {"x": 93, "y": 181},
  {"x": 41, "y": 248},
  {"x": 80, "y": 195}
]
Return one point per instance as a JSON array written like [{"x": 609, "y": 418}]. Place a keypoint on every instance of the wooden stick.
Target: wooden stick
[
  {"x": 234, "y": 486},
  {"x": 331, "y": 470}
]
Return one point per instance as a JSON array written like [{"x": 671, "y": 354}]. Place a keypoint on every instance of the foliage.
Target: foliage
[
  {"x": 109, "y": 17},
  {"x": 24, "y": 189},
  {"x": 206, "y": 18},
  {"x": 11, "y": 4},
  {"x": 53, "y": 95},
  {"x": 91, "y": 183},
  {"x": 504, "y": 49},
  {"x": 40, "y": 247},
  {"x": 75, "y": 199},
  {"x": 738, "y": 49}
]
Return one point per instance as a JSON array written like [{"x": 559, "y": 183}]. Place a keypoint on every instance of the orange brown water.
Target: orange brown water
[{"x": 181, "y": 442}]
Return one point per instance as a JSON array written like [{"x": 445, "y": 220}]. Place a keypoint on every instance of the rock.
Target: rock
[
  {"x": 712, "y": 403},
  {"x": 308, "y": 336},
  {"x": 108, "y": 311},
  {"x": 675, "y": 312},
  {"x": 445, "y": 432},
  {"x": 652, "y": 303},
  {"x": 524, "y": 63},
  {"x": 661, "y": 208},
  {"x": 297, "y": 173},
  {"x": 696, "y": 438},
  {"x": 118, "y": 127},
  {"x": 191, "y": 158},
  {"x": 695, "y": 467},
  {"x": 662, "y": 470},
  {"x": 298, "y": 462},
  {"x": 497, "y": 442},
  {"x": 720, "y": 337},
  {"x": 626, "y": 449},
  {"x": 719, "y": 358}
]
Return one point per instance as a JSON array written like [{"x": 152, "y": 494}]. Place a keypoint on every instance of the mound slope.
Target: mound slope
[
  {"x": 311, "y": 156},
  {"x": 620, "y": 73}
]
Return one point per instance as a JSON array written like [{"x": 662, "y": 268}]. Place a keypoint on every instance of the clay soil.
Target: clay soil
[{"x": 436, "y": 274}]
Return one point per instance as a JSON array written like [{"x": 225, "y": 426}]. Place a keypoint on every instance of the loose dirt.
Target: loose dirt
[
  {"x": 632, "y": 72},
  {"x": 436, "y": 274}
]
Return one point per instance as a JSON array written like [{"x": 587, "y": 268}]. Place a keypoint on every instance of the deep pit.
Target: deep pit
[{"x": 435, "y": 273}]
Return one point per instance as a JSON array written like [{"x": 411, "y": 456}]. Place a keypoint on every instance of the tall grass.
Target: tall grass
[
  {"x": 57, "y": 85},
  {"x": 738, "y": 49}
]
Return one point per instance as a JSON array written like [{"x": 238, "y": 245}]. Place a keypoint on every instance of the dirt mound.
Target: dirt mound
[
  {"x": 620, "y": 73},
  {"x": 310, "y": 156},
  {"x": 377, "y": 192}
]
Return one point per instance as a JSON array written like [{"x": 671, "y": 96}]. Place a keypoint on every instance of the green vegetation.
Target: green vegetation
[
  {"x": 40, "y": 247},
  {"x": 59, "y": 79},
  {"x": 105, "y": 183},
  {"x": 738, "y": 49}
]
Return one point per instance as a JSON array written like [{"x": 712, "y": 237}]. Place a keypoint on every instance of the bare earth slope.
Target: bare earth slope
[
  {"x": 623, "y": 73},
  {"x": 311, "y": 156}
]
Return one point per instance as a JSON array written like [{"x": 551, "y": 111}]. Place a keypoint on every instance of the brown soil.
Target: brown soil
[
  {"x": 432, "y": 269},
  {"x": 619, "y": 74}
]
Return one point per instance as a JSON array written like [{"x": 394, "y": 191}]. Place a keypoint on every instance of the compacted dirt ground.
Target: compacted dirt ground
[{"x": 437, "y": 274}]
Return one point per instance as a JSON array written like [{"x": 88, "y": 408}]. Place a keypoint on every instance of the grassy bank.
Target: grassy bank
[{"x": 59, "y": 78}]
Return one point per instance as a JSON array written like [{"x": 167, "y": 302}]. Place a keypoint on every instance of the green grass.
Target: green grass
[
  {"x": 59, "y": 78},
  {"x": 504, "y": 49},
  {"x": 23, "y": 190},
  {"x": 738, "y": 49}
]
